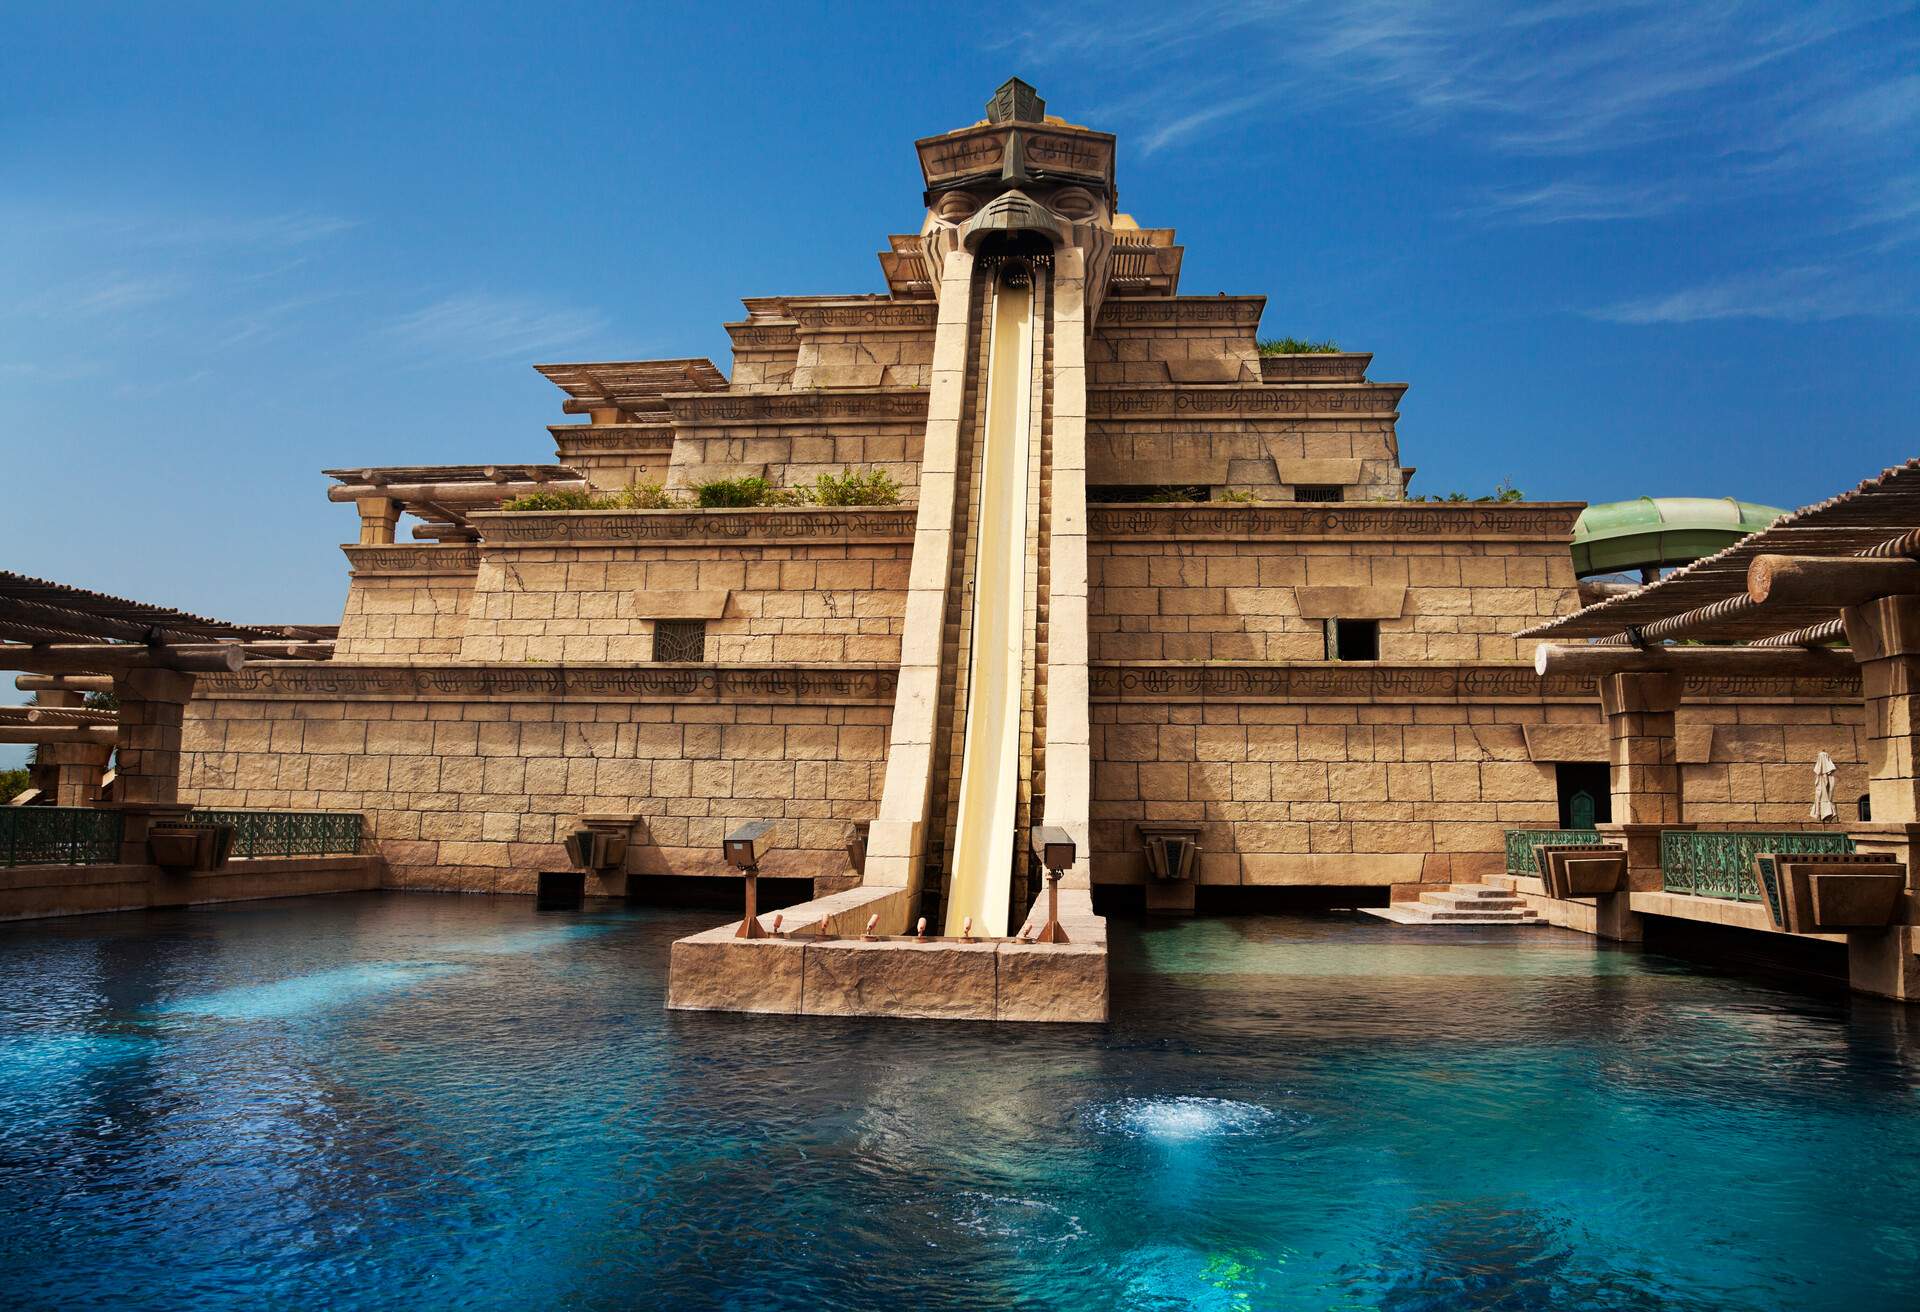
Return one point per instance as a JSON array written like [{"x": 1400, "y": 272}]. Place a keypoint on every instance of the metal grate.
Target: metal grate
[
  {"x": 288, "y": 833},
  {"x": 1521, "y": 842},
  {"x": 1319, "y": 493},
  {"x": 1703, "y": 864},
  {"x": 58, "y": 836},
  {"x": 680, "y": 640}
]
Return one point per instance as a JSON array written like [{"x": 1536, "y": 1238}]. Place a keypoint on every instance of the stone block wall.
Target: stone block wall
[
  {"x": 1222, "y": 600},
  {"x": 1380, "y": 793},
  {"x": 406, "y": 602},
  {"x": 824, "y": 602},
  {"x": 476, "y": 791}
]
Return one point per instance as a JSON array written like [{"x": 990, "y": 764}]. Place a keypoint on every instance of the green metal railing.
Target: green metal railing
[
  {"x": 288, "y": 833},
  {"x": 58, "y": 836},
  {"x": 1704, "y": 863},
  {"x": 1521, "y": 842}
]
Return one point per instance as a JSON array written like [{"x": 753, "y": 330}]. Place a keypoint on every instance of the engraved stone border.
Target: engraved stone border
[
  {"x": 1305, "y": 400},
  {"x": 343, "y": 681},
  {"x": 421, "y": 561},
  {"x": 1543, "y": 521},
  {"x": 754, "y": 527},
  {"x": 1122, "y": 682},
  {"x": 711, "y": 409}
]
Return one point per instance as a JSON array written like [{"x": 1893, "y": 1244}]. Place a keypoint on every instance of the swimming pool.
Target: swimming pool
[{"x": 387, "y": 1100}]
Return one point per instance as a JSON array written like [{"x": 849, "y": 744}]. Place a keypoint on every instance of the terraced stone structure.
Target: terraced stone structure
[{"x": 1226, "y": 612}]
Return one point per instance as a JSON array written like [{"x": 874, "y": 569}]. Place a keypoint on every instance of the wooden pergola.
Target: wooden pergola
[
  {"x": 1831, "y": 590},
  {"x": 72, "y": 641},
  {"x": 441, "y": 496}
]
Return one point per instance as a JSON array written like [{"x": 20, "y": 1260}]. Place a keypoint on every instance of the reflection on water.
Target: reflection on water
[{"x": 381, "y": 1100}]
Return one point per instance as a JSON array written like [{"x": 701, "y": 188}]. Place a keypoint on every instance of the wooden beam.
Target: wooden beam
[
  {"x": 1759, "y": 662},
  {"x": 1829, "y": 580},
  {"x": 458, "y": 494},
  {"x": 52, "y": 715},
  {"x": 105, "y": 735},
  {"x": 63, "y": 682},
  {"x": 101, "y": 657}
]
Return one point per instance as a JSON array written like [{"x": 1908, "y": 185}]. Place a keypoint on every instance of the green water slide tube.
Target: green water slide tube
[{"x": 1656, "y": 532}]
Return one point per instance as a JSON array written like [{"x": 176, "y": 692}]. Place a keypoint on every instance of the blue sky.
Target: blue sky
[{"x": 1614, "y": 248}]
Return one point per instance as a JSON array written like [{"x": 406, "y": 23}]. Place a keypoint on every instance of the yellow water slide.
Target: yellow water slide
[{"x": 980, "y": 878}]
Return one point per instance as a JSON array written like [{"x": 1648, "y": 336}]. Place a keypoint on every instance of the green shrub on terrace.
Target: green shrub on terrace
[
  {"x": 1503, "y": 493},
  {"x": 1297, "y": 346},
  {"x": 13, "y": 783},
  {"x": 872, "y": 487},
  {"x": 724, "y": 493},
  {"x": 643, "y": 496},
  {"x": 569, "y": 500}
]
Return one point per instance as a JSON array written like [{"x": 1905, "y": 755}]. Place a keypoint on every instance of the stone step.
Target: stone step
[
  {"x": 1465, "y": 902},
  {"x": 1414, "y": 913}
]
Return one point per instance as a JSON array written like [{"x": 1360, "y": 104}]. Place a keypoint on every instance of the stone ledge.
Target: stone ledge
[
  {"x": 757, "y": 526},
  {"x": 1367, "y": 681},
  {"x": 38, "y": 892},
  {"x": 1526, "y": 521},
  {"x": 843, "y": 684}
]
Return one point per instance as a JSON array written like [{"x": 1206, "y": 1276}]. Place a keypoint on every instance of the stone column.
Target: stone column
[
  {"x": 896, "y": 841},
  {"x": 1645, "y": 777},
  {"x": 1068, "y": 763},
  {"x": 378, "y": 515},
  {"x": 1885, "y": 637},
  {"x": 153, "y": 703},
  {"x": 74, "y": 771}
]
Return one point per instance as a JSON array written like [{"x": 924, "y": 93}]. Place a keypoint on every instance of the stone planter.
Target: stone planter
[
  {"x": 181, "y": 849},
  {"x": 1829, "y": 892}
]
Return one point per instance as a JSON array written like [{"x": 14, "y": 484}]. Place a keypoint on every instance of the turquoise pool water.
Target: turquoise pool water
[{"x": 389, "y": 1101}]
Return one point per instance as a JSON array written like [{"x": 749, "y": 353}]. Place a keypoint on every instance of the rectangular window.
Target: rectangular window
[
  {"x": 1319, "y": 492},
  {"x": 1353, "y": 640},
  {"x": 680, "y": 640}
]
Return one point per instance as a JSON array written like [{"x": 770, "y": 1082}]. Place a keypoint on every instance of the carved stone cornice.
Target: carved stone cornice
[
  {"x": 1114, "y": 681},
  {"x": 1316, "y": 367},
  {"x": 540, "y": 528},
  {"x": 867, "y": 316},
  {"x": 348, "y": 681},
  {"x": 1173, "y": 312},
  {"x": 752, "y": 336},
  {"x": 416, "y": 562},
  {"x": 1246, "y": 401},
  {"x": 1526, "y": 521},
  {"x": 612, "y": 439},
  {"x": 907, "y": 405}
]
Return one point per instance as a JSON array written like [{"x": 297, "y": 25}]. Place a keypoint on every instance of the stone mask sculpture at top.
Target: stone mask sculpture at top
[{"x": 1020, "y": 172}]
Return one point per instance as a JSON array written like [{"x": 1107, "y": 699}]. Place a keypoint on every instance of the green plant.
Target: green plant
[
  {"x": 1235, "y": 494},
  {"x": 730, "y": 492},
  {"x": 872, "y": 487},
  {"x": 1160, "y": 496},
  {"x": 569, "y": 500},
  {"x": 643, "y": 496},
  {"x": 1297, "y": 346},
  {"x": 1503, "y": 493},
  {"x": 13, "y": 783}
]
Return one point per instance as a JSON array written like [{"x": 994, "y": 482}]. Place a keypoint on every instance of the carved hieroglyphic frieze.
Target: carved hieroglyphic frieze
[
  {"x": 1182, "y": 312},
  {"x": 639, "y": 439},
  {"x": 1395, "y": 683},
  {"x": 412, "y": 560},
  {"x": 1315, "y": 367},
  {"x": 891, "y": 407},
  {"x": 1551, "y": 521},
  {"x": 704, "y": 527},
  {"x": 341, "y": 681},
  {"x": 757, "y": 336},
  {"x": 867, "y": 315},
  {"x": 1364, "y": 400}
]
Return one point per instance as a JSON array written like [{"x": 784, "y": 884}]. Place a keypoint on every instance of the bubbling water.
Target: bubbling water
[{"x": 1181, "y": 1119}]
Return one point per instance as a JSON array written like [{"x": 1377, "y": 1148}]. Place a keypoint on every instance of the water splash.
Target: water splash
[{"x": 1181, "y": 1119}]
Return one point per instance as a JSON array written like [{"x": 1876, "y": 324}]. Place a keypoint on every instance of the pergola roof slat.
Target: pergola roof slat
[
  {"x": 1877, "y": 510},
  {"x": 40, "y": 610}
]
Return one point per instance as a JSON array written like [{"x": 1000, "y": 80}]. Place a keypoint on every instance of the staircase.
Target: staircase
[{"x": 1461, "y": 904}]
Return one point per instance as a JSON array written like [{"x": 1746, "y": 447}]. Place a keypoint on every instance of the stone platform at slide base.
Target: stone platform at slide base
[
  {"x": 806, "y": 972},
  {"x": 1460, "y": 904},
  {"x": 38, "y": 892}
]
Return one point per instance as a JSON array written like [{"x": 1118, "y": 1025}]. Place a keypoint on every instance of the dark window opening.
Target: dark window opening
[
  {"x": 1319, "y": 492},
  {"x": 1585, "y": 792},
  {"x": 680, "y": 640},
  {"x": 1353, "y": 640},
  {"x": 1866, "y": 806}
]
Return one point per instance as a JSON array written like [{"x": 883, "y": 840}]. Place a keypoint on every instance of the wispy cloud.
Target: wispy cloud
[
  {"x": 1801, "y": 295},
  {"x": 1568, "y": 200},
  {"x": 477, "y": 326}
]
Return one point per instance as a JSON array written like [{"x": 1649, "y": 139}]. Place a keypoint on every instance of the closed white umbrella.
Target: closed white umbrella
[{"x": 1823, "y": 771}]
